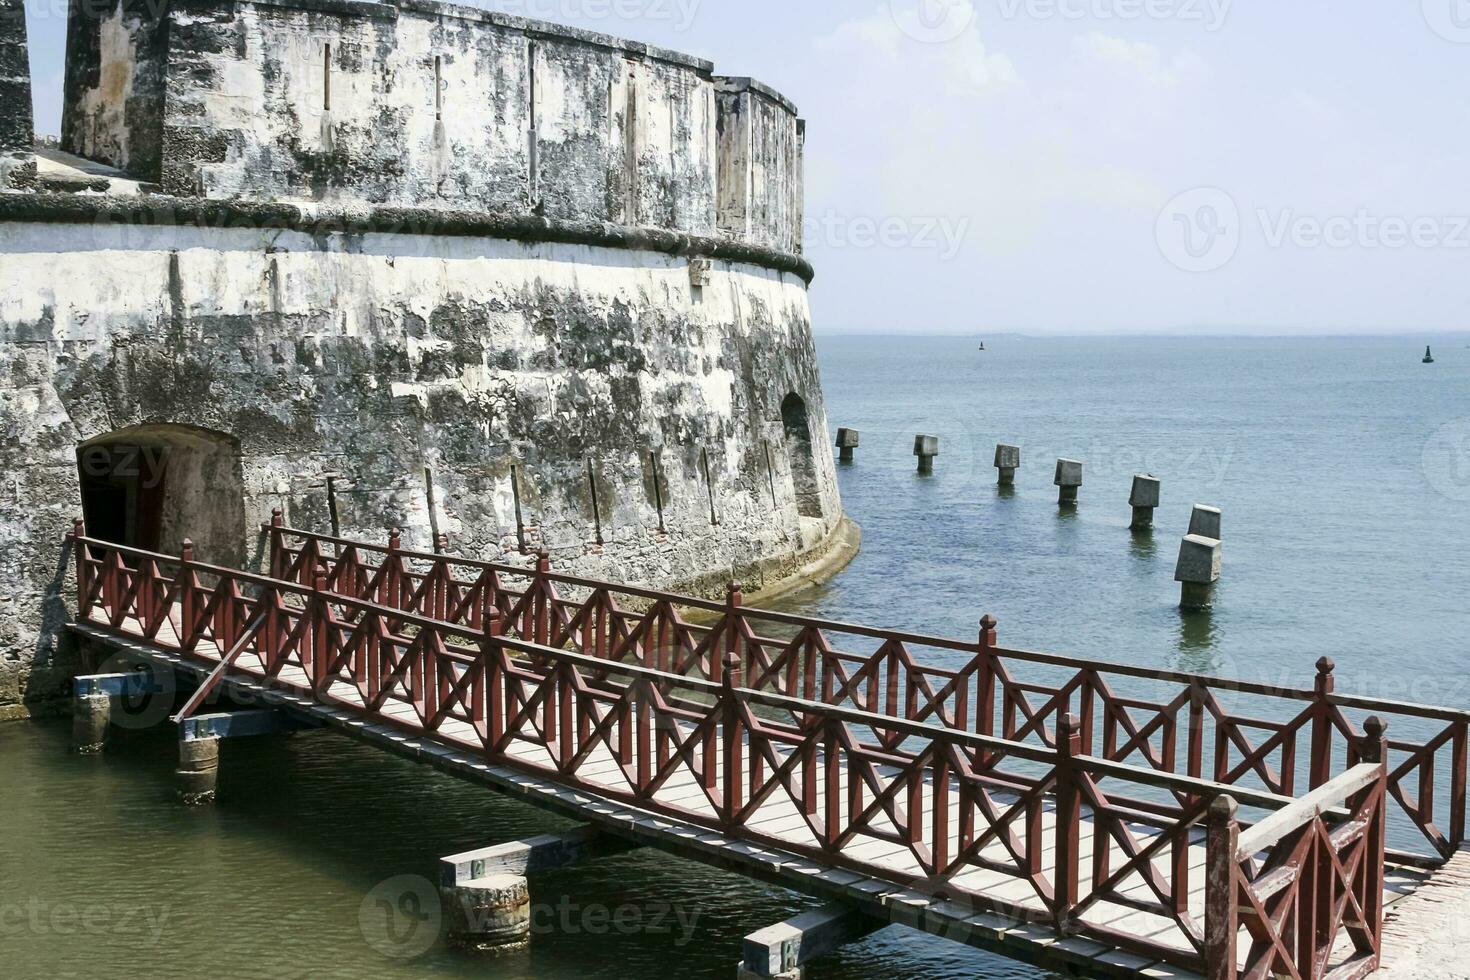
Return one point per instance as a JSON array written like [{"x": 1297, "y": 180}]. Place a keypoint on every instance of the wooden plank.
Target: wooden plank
[{"x": 1316, "y": 804}]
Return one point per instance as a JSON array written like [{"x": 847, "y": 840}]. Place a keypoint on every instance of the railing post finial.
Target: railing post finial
[
  {"x": 733, "y": 594},
  {"x": 1375, "y": 741},
  {"x": 186, "y": 554},
  {"x": 78, "y": 528},
  {"x": 543, "y": 561},
  {"x": 441, "y": 543},
  {"x": 278, "y": 517},
  {"x": 987, "y": 632},
  {"x": 395, "y": 539},
  {"x": 1325, "y": 679}
]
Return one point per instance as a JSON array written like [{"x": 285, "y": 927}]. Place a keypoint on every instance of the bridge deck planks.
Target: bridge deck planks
[{"x": 455, "y": 747}]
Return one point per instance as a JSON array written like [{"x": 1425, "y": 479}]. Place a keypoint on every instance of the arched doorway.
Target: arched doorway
[
  {"x": 151, "y": 486},
  {"x": 799, "y": 452}
]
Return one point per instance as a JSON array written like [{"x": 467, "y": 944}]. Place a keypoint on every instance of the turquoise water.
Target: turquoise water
[{"x": 1342, "y": 467}]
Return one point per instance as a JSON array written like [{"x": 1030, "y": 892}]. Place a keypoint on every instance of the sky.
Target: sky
[{"x": 1093, "y": 166}]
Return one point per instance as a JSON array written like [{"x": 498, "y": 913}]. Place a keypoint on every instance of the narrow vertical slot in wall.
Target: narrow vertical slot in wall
[
  {"x": 714, "y": 517},
  {"x": 658, "y": 490},
  {"x": 326, "y": 134},
  {"x": 332, "y": 506},
  {"x": 515, "y": 492},
  {"x": 438, "y": 88},
  {"x": 596, "y": 505}
]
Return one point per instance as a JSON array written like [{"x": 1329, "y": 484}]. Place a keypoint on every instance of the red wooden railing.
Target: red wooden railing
[
  {"x": 1277, "y": 739},
  {"x": 951, "y": 802}
]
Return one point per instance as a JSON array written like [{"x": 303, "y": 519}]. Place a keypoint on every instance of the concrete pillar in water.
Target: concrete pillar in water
[
  {"x": 489, "y": 915},
  {"x": 926, "y": 448},
  {"x": 198, "y": 771},
  {"x": 1144, "y": 501},
  {"x": 1205, "y": 522},
  {"x": 91, "y": 714},
  {"x": 1069, "y": 479},
  {"x": 1197, "y": 572},
  {"x": 1007, "y": 460},
  {"x": 847, "y": 441}
]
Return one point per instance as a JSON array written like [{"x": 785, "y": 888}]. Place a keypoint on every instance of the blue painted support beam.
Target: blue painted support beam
[
  {"x": 130, "y": 685},
  {"x": 241, "y": 724},
  {"x": 521, "y": 857},
  {"x": 783, "y": 950}
]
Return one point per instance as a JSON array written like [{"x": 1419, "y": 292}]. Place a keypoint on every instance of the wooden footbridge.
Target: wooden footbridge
[{"x": 1104, "y": 819}]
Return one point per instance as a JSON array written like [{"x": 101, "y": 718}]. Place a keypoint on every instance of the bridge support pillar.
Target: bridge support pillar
[
  {"x": 92, "y": 702},
  {"x": 1144, "y": 500},
  {"x": 90, "y": 716},
  {"x": 486, "y": 894},
  {"x": 1068, "y": 481},
  {"x": 782, "y": 951},
  {"x": 1007, "y": 461},
  {"x": 489, "y": 915},
  {"x": 926, "y": 448},
  {"x": 198, "y": 771}
]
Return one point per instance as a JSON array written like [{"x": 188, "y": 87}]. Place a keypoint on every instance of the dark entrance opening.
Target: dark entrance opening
[
  {"x": 122, "y": 493},
  {"x": 799, "y": 452},
  {"x": 149, "y": 487}
]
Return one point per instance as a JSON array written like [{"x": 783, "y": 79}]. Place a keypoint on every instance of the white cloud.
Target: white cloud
[
  {"x": 1139, "y": 60},
  {"x": 895, "y": 34}
]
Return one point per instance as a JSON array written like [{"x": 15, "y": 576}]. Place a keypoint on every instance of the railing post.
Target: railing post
[
  {"x": 1222, "y": 913},
  {"x": 1069, "y": 818},
  {"x": 1374, "y": 749},
  {"x": 188, "y": 599},
  {"x": 732, "y": 738},
  {"x": 1321, "y": 769},
  {"x": 320, "y": 632},
  {"x": 392, "y": 582},
  {"x": 494, "y": 682},
  {"x": 84, "y": 570},
  {"x": 985, "y": 682},
  {"x": 1459, "y": 750},
  {"x": 734, "y": 599},
  {"x": 542, "y": 630},
  {"x": 277, "y": 543}
]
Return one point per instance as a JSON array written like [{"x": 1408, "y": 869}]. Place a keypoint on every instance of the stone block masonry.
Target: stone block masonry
[{"x": 17, "y": 163}]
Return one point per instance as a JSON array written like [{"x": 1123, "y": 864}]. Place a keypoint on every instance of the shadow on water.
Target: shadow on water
[{"x": 1143, "y": 545}]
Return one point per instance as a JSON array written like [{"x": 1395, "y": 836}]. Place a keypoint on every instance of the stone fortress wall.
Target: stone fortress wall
[{"x": 461, "y": 273}]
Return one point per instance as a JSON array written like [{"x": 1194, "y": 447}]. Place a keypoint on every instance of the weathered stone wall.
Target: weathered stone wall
[
  {"x": 423, "y": 104},
  {"x": 761, "y": 177},
  {"x": 17, "y": 165},
  {"x": 384, "y": 358},
  {"x": 114, "y": 95}
]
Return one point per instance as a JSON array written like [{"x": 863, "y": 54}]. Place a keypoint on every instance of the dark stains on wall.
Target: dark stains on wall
[{"x": 115, "y": 78}]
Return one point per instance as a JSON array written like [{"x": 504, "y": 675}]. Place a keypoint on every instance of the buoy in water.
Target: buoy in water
[{"x": 1428, "y": 356}]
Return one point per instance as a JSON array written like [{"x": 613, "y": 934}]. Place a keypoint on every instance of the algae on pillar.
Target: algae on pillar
[
  {"x": 489, "y": 915},
  {"x": 198, "y": 773}
]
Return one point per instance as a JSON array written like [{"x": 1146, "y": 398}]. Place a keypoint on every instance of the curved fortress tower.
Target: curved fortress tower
[{"x": 415, "y": 264}]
